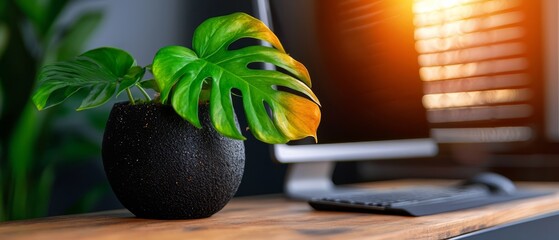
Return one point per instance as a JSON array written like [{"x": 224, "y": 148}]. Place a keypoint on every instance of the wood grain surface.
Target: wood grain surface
[{"x": 274, "y": 217}]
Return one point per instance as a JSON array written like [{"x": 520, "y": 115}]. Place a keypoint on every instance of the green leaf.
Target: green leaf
[
  {"x": 76, "y": 35},
  {"x": 3, "y": 215},
  {"x": 134, "y": 75},
  {"x": 1, "y": 104},
  {"x": 34, "y": 10},
  {"x": 3, "y": 10},
  {"x": 42, "y": 13},
  {"x": 182, "y": 73},
  {"x": 23, "y": 138},
  {"x": 99, "y": 72},
  {"x": 150, "y": 84},
  {"x": 4, "y": 36},
  {"x": 169, "y": 65}
]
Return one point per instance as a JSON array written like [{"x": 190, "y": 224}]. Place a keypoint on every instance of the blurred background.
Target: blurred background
[
  {"x": 50, "y": 161},
  {"x": 478, "y": 76}
]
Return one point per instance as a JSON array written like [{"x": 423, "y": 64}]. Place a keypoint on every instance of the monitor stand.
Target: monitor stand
[
  {"x": 311, "y": 167},
  {"x": 311, "y": 179}
]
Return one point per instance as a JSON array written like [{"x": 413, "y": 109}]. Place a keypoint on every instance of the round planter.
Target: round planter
[{"x": 160, "y": 166}]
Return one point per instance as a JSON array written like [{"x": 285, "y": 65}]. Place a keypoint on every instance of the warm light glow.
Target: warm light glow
[
  {"x": 458, "y": 46},
  {"x": 499, "y": 5},
  {"x": 475, "y": 98},
  {"x": 448, "y": 29},
  {"x": 427, "y": 6},
  {"x": 472, "y": 69},
  {"x": 432, "y": 12},
  {"x": 473, "y": 65},
  {"x": 503, "y": 19},
  {"x": 477, "y": 83},
  {"x": 471, "y": 54},
  {"x": 468, "y": 40}
]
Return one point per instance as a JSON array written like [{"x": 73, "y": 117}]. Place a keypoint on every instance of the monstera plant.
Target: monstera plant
[{"x": 179, "y": 153}]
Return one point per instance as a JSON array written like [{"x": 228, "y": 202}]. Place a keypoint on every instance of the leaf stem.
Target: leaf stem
[
  {"x": 146, "y": 95},
  {"x": 130, "y": 97}
]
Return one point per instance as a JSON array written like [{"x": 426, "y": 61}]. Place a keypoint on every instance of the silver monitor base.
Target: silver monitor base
[{"x": 312, "y": 179}]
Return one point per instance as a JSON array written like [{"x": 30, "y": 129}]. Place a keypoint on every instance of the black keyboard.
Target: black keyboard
[{"x": 417, "y": 201}]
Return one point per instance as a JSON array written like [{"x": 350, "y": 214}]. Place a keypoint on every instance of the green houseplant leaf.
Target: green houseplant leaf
[
  {"x": 42, "y": 13},
  {"x": 279, "y": 105},
  {"x": 74, "y": 37},
  {"x": 4, "y": 35},
  {"x": 99, "y": 72},
  {"x": 185, "y": 75}
]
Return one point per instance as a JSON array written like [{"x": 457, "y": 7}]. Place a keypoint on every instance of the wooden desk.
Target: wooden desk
[{"x": 274, "y": 217}]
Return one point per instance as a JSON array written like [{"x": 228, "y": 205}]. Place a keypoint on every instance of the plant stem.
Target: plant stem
[
  {"x": 130, "y": 97},
  {"x": 146, "y": 95}
]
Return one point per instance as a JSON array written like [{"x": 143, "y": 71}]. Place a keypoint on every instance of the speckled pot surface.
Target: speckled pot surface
[{"x": 160, "y": 166}]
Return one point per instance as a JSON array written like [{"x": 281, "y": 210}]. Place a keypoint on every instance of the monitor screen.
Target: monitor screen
[
  {"x": 479, "y": 75},
  {"x": 363, "y": 64}
]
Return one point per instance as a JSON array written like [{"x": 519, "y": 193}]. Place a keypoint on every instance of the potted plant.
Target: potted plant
[{"x": 179, "y": 154}]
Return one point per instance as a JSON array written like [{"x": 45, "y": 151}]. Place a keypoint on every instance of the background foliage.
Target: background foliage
[{"x": 32, "y": 147}]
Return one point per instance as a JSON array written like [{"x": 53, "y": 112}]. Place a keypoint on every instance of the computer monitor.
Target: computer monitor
[
  {"x": 363, "y": 64},
  {"x": 484, "y": 73}
]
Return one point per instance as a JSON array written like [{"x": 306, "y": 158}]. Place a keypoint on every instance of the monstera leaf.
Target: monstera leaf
[
  {"x": 279, "y": 105},
  {"x": 183, "y": 75},
  {"x": 100, "y": 72}
]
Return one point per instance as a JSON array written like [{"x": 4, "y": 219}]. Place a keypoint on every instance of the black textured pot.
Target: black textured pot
[{"x": 160, "y": 166}]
